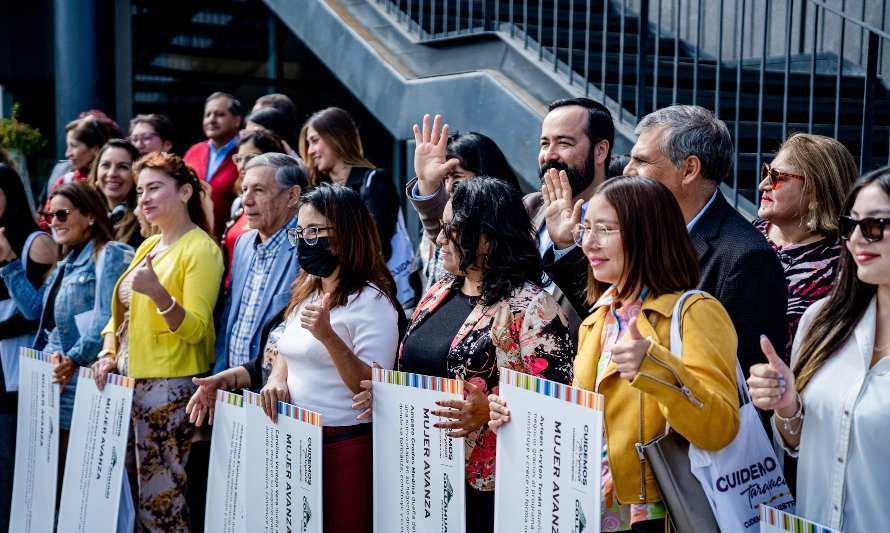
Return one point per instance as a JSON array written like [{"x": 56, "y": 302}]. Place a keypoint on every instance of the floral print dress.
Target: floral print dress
[{"x": 527, "y": 332}]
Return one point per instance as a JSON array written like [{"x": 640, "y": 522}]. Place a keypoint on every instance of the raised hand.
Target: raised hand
[
  {"x": 316, "y": 319},
  {"x": 203, "y": 402},
  {"x": 561, "y": 214},
  {"x": 430, "y": 164},
  {"x": 497, "y": 412},
  {"x": 6, "y": 253},
  {"x": 464, "y": 416},
  {"x": 771, "y": 384},
  {"x": 145, "y": 281},
  {"x": 629, "y": 353}
]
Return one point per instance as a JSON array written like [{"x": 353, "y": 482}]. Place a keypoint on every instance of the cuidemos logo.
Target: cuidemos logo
[{"x": 307, "y": 514}]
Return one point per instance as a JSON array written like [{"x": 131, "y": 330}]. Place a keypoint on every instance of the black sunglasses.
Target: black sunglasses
[
  {"x": 61, "y": 214},
  {"x": 872, "y": 228}
]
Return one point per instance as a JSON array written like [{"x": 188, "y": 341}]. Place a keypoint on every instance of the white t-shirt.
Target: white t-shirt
[{"x": 367, "y": 324}]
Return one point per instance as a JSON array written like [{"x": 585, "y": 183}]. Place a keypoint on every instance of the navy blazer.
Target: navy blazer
[
  {"x": 737, "y": 266},
  {"x": 276, "y": 295}
]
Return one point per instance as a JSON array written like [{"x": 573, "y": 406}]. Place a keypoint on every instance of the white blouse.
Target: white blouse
[
  {"x": 843, "y": 476},
  {"x": 367, "y": 324}
]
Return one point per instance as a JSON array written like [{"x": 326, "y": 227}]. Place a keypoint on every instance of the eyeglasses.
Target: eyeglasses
[
  {"x": 238, "y": 158},
  {"x": 309, "y": 235},
  {"x": 775, "y": 177},
  {"x": 600, "y": 232},
  {"x": 144, "y": 138},
  {"x": 872, "y": 229},
  {"x": 61, "y": 214}
]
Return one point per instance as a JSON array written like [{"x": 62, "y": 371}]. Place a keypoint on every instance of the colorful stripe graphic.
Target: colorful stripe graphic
[
  {"x": 791, "y": 523},
  {"x": 86, "y": 372},
  {"x": 418, "y": 381},
  {"x": 298, "y": 413},
  {"x": 230, "y": 398},
  {"x": 252, "y": 398},
  {"x": 31, "y": 353},
  {"x": 581, "y": 397}
]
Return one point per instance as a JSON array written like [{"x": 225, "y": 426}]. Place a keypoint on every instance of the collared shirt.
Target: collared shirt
[
  {"x": 217, "y": 156},
  {"x": 703, "y": 210},
  {"x": 249, "y": 311},
  {"x": 841, "y": 477}
]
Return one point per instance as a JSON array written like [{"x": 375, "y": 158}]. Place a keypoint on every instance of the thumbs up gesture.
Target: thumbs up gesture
[
  {"x": 316, "y": 318},
  {"x": 629, "y": 353},
  {"x": 145, "y": 281},
  {"x": 771, "y": 384}
]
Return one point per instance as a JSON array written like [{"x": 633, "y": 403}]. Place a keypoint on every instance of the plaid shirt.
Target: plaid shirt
[{"x": 249, "y": 311}]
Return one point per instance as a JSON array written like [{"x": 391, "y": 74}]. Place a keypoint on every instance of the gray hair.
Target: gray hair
[
  {"x": 288, "y": 171},
  {"x": 693, "y": 130}
]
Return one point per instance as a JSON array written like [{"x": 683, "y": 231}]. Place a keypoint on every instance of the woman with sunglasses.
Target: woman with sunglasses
[
  {"x": 489, "y": 311},
  {"x": 830, "y": 405},
  {"x": 642, "y": 260},
  {"x": 161, "y": 334},
  {"x": 74, "y": 303},
  {"x": 343, "y": 317},
  {"x": 802, "y": 191},
  {"x": 112, "y": 177}
]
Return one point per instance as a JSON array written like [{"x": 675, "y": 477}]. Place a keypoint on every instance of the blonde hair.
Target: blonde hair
[
  {"x": 829, "y": 171},
  {"x": 336, "y": 127}
]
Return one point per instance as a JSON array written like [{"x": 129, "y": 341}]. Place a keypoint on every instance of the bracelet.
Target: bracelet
[
  {"x": 105, "y": 353},
  {"x": 787, "y": 422},
  {"x": 167, "y": 311}
]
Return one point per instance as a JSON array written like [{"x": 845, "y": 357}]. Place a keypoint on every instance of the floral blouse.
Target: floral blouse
[{"x": 527, "y": 332}]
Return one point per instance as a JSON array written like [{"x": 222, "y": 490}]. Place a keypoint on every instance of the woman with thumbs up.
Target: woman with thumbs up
[
  {"x": 830, "y": 405},
  {"x": 642, "y": 261},
  {"x": 342, "y": 318},
  {"x": 161, "y": 333}
]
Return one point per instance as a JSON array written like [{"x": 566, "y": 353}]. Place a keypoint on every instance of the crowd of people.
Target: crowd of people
[{"x": 275, "y": 257}]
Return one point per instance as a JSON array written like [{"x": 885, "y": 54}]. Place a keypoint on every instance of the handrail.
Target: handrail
[{"x": 859, "y": 22}]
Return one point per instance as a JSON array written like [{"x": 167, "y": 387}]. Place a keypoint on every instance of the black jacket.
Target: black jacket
[
  {"x": 738, "y": 267},
  {"x": 379, "y": 193}
]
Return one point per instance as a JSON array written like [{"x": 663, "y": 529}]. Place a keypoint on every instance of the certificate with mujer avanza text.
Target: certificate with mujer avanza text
[
  {"x": 225, "y": 511},
  {"x": 283, "y": 468},
  {"x": 548, "y": 472},
  {"x": 36, "y": 446},
  {"x": 418, "y": 469},
  {"x": 97, "y": 446}
]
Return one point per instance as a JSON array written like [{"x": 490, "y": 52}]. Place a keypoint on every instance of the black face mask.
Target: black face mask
[{"x": 318, "y": 259}]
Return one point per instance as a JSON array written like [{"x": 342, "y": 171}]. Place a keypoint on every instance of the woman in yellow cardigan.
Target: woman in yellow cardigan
[
  {"x": 641, "y": 261},
  {"x": 161, "y": 333}
]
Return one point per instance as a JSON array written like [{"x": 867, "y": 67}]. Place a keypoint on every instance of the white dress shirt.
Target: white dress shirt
[
  {"x": 843, "y": 476},
  {"x": 367, "y": 324}
]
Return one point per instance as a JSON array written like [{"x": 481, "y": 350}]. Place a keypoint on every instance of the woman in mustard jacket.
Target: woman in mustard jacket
[
  {"x": 641, "y": 261},
  {"x": 161, "y": 333}
]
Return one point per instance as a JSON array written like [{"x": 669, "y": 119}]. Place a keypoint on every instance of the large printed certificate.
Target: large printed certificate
[
  {"x": 773, "y": 520},
  {"x": 36, "y": 446},
  {"x": 418, "y": 469},
  {"x": 283, "y": 469},
  {"x": 97, "y": 446},
  {"x": 225, "y": 482},
  {"x": 548, "y": 457}
]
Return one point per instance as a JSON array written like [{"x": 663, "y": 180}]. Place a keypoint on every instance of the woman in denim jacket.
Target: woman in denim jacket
[{"x": 74, "y": 303}]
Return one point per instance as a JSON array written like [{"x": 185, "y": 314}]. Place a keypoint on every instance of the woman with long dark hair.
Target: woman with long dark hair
[
  {"x": 642, "y": 261},
  {"x": 465, "y": 325},
  {"x": 112, "y": 177},
  {"x": 830, "y": 406},
  {"x": 343, "y": 317},
  {"x": 161, "y": 334},
  {"x": 22, "y": 240}
]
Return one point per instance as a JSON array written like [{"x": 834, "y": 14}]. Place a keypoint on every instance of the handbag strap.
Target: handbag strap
[{"x": 677, "y": 344}]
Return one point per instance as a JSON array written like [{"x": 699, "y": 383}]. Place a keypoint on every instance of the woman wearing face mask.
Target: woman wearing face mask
[
  {"x": 19, "y": 238},
  {"x": 830, "y": 406},
  {"x": 112, "y": 177},
  {"x": 642, "y": 261},
  {"x": 342, "y": 318},
  {"x": 74, "y": 303},
  {"x": 440, "y": 162},
  {"x": 802, "y": 193},
  {"x": 489, "y": 311},
  {"x": 161, "y": 334}
]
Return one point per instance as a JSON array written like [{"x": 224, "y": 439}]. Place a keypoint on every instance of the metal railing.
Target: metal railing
[{"x": 772, "y": 67}]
